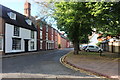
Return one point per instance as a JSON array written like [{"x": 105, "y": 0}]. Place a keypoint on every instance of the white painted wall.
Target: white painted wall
[
  {"x": 93, "y": 40},
  {"x": 24, "y": 34}
]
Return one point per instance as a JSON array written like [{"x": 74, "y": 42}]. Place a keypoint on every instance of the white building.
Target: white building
[
  {"x": 93, "y": 39},
  {"x": 19, "y": 33}
]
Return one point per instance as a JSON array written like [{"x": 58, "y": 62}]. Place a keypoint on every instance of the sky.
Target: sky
[{"x": 18, "y": 5}]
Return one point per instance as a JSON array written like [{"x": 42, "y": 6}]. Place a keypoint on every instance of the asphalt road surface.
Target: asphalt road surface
[{"x": 46, "y": 64}]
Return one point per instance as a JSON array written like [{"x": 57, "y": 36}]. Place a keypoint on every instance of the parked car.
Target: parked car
[
  {"x": 82, "y": 47},
  {"x": 93, "y": 48}
]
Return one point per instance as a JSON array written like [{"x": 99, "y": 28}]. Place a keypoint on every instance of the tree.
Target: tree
[
  {"x": 74, "y": 19},
  {"x": 106, "y": 17}
]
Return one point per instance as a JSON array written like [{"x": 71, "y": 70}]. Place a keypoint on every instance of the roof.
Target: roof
[{"x": 20, "y": 19}]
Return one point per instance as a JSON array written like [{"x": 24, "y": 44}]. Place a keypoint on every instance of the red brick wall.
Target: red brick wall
[
  {"x": 38, "y": 37},
  {"x": 54, "y": 37},
  {"x": 2, "y": 25},
  {"x": 44, "y": 37},
  {"x": 49, "y": 33}
]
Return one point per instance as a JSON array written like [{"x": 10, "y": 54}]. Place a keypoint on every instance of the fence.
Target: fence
[{"x": 113, "y": 47}]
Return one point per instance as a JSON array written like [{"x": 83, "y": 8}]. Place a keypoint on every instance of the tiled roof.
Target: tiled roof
[{"x": 20, "y": 19}]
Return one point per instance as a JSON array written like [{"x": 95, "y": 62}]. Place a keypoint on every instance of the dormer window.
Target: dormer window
[
  {"x": 12, "y": 15},
  {"x": 29, "y": 22}
]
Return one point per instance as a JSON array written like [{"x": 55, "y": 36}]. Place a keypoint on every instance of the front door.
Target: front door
[{"x": 26, "y": 45}]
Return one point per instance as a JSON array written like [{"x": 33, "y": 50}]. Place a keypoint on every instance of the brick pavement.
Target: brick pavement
[{"x": 107, "y": 67}]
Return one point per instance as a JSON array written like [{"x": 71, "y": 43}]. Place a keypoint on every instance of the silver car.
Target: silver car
[{"x": 93, "y": 48}]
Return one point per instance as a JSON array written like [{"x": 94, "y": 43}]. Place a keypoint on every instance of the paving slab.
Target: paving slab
[{"x": 100, "y": 65}]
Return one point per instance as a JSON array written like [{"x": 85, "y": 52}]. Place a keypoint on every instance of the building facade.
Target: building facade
[
  {"x": 18, "y": 34},
  {"x": 23, "y": 33}
]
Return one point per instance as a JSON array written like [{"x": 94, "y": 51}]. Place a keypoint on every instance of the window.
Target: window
[
  {"x": 41, "y": 44},
  {"x": 46, "y": 28},
  {"x": 41, "y": 25},
  {"x": 16, "y": 31},
  {"x": 52, "y": 30},
  {"x": 32, "y": 34},
  {"x": 91, "y": 46},
  {"x": 46, "y": 36},
  {"x": 1, "y": 44},
  {"x": 29, "y": 22},
  {"x": 52, "y": 37},
  {"x": 12, "y": 15},
  {"x": 96, "y": 47},
  {"x": 16, "y": 45},
  {"x": 40, "y": 34},
  {"x": 32, "y": 45}
]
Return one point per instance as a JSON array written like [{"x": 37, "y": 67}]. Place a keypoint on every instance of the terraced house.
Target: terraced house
[
  {"x": 17, "y": 32},
  {"x": 23, "y": 33}
]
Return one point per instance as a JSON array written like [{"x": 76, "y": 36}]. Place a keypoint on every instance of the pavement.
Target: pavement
[
  {"x": 42, "y": 64},
  {"x": 101, "y": 66}
]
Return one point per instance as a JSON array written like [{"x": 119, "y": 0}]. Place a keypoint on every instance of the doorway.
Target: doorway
[{"x": 26, "y": 45}]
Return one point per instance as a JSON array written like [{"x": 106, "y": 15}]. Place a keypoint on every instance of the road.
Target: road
[{"x": 45, "y": 64}]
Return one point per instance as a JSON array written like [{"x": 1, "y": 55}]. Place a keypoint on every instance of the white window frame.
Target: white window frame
[
  {"x": 28, "y": 21},
  {"x": 46, "y": 28},
  {"x": 32, "y": 35},
  {"x": 16, "y": 44},
  {"x": 41, "y": 25},
  {"x": 12, "y": 15},
  {"x": 1, "y": 44},
  {"x": 40, "y": 34},
  {"x": 16, "y": 31},
  {"x": 41, "y": 42},
  {"x": 52, "y": 37},
  {"x": 32, "y": 45},
  {"x": 46, "y": 36},
  {"x": 52, "y": 31}
]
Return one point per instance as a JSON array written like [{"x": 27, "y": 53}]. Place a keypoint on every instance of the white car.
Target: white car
[{"x": 93, "y": 48}]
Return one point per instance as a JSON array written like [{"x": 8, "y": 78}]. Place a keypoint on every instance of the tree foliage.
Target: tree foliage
[
  {"x": 74, "y": 19},
  {"x": 78, "y": 18},
  {"x": 106, "y": 17}
]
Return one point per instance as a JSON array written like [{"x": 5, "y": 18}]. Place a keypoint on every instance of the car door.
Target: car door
[
  {"x": 96, "y": 48},
  {"x": 91, "y": 48}
]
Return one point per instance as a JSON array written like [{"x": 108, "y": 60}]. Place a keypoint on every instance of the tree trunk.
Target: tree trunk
[{"x": 76, "y": 47}]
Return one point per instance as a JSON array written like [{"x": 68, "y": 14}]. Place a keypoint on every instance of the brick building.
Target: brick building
[
  {"x": 63, "y": 41},
  {"x": 45, "y": 36}
]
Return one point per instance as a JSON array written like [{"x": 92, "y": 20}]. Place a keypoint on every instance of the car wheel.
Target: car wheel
[
  {"x": 99, "y": 51},
  {"x": 87, "y": 50}
]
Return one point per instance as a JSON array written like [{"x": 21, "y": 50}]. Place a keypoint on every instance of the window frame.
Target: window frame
[
  {"x": 41, "y": 34},
  {"x": 16, "y": 31},
  {"x": 41, "y": 44},
  {"x": 28, "y": 21},
  {"x": 46, "y": 36},
  {"x": 32, "y": 45},
  {"x": 12, "y": 15},
  {"x": 41, "y": 24},
  {"x": 46, "y": 28},
  {"x": 1, "y": 39},
  {"x": 16, "y": 45},
  {"x": 32, "y": 35}
]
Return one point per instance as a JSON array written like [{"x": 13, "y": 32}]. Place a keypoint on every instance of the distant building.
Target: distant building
[{"x": 93, "y": 38}]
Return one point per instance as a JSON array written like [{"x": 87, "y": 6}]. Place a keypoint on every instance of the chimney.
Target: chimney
[{"x": 27, "y": 9}]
